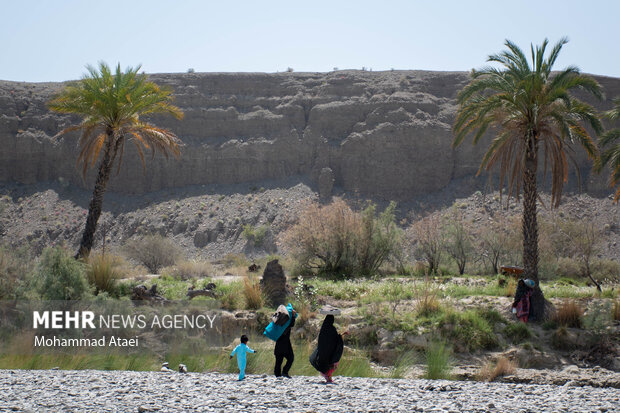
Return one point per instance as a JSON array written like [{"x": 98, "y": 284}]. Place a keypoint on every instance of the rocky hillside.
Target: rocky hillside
[{"x": 381, "y": 134}]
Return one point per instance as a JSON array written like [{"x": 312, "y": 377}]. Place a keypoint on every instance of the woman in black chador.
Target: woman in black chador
[
  {"x": 329, "y": 350},
  {"x": 284, "y": 350}
]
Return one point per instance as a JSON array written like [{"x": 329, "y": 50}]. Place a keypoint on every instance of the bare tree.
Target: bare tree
[
  {"x": 429, "y": 241},
  {"x": 582, "y": 243},
  {"x": 459, "y": 244}
]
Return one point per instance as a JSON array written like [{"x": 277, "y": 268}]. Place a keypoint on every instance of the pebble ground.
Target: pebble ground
[{"x": 127, "y": 391}]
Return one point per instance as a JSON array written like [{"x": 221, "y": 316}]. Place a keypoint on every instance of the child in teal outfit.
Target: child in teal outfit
[{"x": 241, "y": 351}]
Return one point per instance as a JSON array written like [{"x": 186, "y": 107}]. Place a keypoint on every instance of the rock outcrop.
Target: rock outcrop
[
  {"x": 385, "y": 134},
  {"x": 273, "y": 283}
]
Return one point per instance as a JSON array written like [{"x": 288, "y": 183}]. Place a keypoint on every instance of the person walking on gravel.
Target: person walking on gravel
[
  {"x": 329, "y": 349},
  {"x": 241, "y": 351},
  {"x": 284, "y": 350}
]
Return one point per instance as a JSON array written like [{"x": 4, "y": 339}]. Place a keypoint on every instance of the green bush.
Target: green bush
[
  {"x": 153, "y": 251},
  {"x": 255, "y": 235},
  {"x": 469, "y": 329},
  {"x": 517, "y": 332},
  {"x": 59, "y": 276},
  {"x": 15, "y": 265}
]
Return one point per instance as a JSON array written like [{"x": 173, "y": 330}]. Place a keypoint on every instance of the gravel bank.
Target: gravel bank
[{"x": 37, "y": 390}]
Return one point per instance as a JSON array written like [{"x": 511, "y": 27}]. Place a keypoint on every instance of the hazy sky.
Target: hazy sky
[{"x": 54, "y": 40}]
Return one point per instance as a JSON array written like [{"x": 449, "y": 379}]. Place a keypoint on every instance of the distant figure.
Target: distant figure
[
  {"x": 521, "y": 304},
  {"x": 241, "y": 351},
  {"x": 329, "y": 350},
  {"x": 284, "y": 350}
]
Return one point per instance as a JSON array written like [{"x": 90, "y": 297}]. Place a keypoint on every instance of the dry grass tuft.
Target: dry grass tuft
[
  {"x": 569, "y": 314},
  {"x": 103, "y": 271},
  {"x": 252, "y": 293},
  {"x": 503, "y": 367},
  {"x": 426, "y": 298}
]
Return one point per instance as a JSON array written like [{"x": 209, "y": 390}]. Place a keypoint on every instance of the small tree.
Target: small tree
[
  {"x": 111, "y": 105},
  {"x": 379, "y": 237},
  {"x": 459, "y": 244},
  {"x": 429, "y": 241}
]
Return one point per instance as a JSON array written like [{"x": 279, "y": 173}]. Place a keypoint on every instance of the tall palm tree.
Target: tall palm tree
[
  {"x": 611, "y": 155},
  {"x": 111, "y": 105},
  {"x": 531, "y": 108}
]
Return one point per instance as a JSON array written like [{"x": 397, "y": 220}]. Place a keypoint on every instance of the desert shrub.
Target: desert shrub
[
  {"x": 490, "y": 371},
  {"x": 186, "y": 270},
  {"x": 335, "y": 240},
  {"x": 568, "y": 314},
  {"x": 517, "y": 332},
  {"x": 438, "y": 361},
  {"x": 256, "y": 235},
  {"x": 567, "y": 268},
  {"x": 59, "y": 276},
  {"x": 252, "y": 293},
  {"x": 15, "y": 265},
  {"x": 153, "y": 251},
  {"x": 606, "y": 270},
  {"x": 598, "y": 318},
  {"x": 103, "y": 272}
]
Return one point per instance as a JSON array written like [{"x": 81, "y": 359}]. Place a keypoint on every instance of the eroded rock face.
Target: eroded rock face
[{"x": 384, "y": 134}]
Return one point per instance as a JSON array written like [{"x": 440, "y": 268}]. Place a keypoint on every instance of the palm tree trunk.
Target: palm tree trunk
[
  {"x": 530, "y": 228},
  {"x": 96, "y": 202}
]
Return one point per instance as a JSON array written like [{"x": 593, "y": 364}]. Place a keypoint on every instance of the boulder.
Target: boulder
[{"x": 273, "y": 283}]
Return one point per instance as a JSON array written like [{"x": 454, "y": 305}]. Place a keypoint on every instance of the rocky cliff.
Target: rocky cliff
[{"x": 382, "y": 134}]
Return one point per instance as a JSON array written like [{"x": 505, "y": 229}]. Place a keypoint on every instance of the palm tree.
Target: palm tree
[
  {"x": 530, "y": 108},
  {"x": 111, "y": 105},
  {"x": 611, "y": 155}
]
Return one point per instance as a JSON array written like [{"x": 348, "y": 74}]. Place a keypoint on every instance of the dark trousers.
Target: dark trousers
[{"x": 289, "y": 356}]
